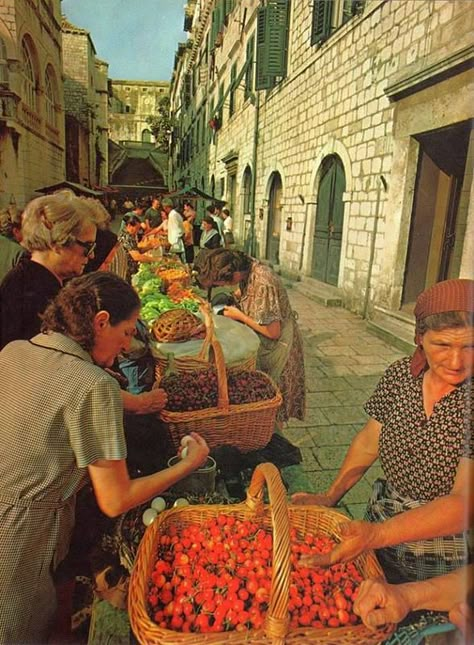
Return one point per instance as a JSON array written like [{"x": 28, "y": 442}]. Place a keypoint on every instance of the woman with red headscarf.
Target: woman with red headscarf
[{"x": 420, "y": 429}]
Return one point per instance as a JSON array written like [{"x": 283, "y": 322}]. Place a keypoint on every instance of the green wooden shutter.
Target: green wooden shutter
[
  {"x": 249, "y": 70},
  {"x": 233, "y": 76},
  {"x": 272, "y": 42},
  {"x": 220, "y": 104},
  {"x": 229, "y": 5},
  {"x": 322, "y": 17},
  {"x": 221, "y": 5},
  {"x": 263, "y": 81},
  {"x": 214, "y": 27}
]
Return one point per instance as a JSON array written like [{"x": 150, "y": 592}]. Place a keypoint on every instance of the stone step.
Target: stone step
[
  {"x": 394, "y": 327},
  {"x": 323, "y": 294}
]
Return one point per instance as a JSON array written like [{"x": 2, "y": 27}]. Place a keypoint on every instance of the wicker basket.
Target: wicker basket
[
  {"x": 202, "y": 360},
  {"x": 247, "y": 426},
  {"x": 177, "y": 325},
  {"x": 279, "y": 517}
]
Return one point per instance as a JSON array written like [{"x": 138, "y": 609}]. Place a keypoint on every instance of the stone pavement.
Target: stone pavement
[{"x": 343, "y": 363}]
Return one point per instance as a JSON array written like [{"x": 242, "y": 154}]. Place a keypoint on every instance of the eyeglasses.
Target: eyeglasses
[{"x": 89, "y": 247}]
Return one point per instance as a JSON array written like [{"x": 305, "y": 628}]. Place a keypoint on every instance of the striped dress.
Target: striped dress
[{"x": 60, "y": 413}]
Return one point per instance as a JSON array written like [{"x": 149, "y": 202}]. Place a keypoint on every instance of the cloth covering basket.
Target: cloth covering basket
[
  {"x": 276, "y": 516},
  {"x": 202, "y": 359},
  {"x": 247, "y": 426}
]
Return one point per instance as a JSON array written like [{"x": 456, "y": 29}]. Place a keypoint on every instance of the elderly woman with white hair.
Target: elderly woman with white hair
[{"x": 59, "y": 231}]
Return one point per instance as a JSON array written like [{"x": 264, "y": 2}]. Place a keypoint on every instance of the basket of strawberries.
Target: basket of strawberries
[{"x": 228, "y": 574}]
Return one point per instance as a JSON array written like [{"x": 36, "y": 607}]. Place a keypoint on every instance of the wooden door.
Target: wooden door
[
  {"x": 274, "y": 220},
  {"x": 440, "y": 176},
  {"x": 329, "y": 222}
]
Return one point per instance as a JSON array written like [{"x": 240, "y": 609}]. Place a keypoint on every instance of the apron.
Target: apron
[{"x": 418, "y": 560}]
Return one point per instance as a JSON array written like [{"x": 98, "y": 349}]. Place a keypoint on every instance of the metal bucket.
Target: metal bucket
[{"x": 202, "y": 480}]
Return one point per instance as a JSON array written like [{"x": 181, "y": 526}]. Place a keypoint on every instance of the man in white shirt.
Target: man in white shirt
[
  {"x": 227, "y": 227},
  {"x": 175, "y": 228}
]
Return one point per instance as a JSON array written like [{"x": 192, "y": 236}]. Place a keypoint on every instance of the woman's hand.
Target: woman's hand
[
  {"x": 379, "y": 603},
  {"x": 197, "y": 452},
  {"x": 145, "y": 403},
  {"x": 235, "y": 313},
  {"x": 310, "y": 499},
  {"x": 356, "y": 537}
]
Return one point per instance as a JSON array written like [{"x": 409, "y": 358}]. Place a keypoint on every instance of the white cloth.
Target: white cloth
[
  {"x": 227, "y": 225},
  {"x": 220, "y": 227},
  {"x": 175, "y": 227}
]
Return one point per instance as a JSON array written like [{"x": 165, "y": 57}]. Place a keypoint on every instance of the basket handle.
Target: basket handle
[
  {"x": 211, "y": 340},
  {"x": 277, "y": 620},
  {"x": 222, "y": 388},
  {"x": 205, "y": 309}
]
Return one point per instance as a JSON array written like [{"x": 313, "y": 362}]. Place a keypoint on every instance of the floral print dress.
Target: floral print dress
[{"x": 264, "y": 298}]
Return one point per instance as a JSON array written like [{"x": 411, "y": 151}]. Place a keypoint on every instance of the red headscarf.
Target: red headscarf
[{"x": 450, "y": 295}]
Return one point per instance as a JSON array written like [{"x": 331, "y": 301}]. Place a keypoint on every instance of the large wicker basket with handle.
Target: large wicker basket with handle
[
  {"x": 247, "y": 426},
  {"x": 278, "y": 517}
]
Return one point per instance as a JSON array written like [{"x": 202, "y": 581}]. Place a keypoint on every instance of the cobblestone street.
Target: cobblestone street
[{"x": 343, "y": 362}]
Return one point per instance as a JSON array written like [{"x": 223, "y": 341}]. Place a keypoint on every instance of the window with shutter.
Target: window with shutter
[
  {"x": 29, "y": 77},
  {"x": 214, "y": 27},
  {"x": 50, "y": 96},
  {"x": 249, "y": 70},
  {"x": 221, "y": 4},
  {"x": 322, "y": 18},
  {"x": 229, "y": 5},
  {"x": 3, "y": 64},
  {"x": 272, "y": 42},
  {"x": 220, "y": 105},
  {"x": 233, "y": 76}
]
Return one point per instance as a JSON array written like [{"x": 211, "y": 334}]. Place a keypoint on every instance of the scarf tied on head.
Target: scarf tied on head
[{"x": 449, "y": 295}]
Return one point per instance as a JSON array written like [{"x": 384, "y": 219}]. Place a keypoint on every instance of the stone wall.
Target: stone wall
[
  {"x": 31, "y": 140},
  {"x": 396, "y": 70},
  {"x": 132, "y": 102}
]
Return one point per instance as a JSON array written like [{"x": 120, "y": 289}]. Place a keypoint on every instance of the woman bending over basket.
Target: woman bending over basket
[
  {"x": 62, "y": 420},
  {"x": 421, "y": 430},
  {"x": 263, "y": 305}
]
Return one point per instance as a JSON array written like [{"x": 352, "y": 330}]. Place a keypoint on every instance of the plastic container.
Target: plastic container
[{"x": 200, "y": 481}]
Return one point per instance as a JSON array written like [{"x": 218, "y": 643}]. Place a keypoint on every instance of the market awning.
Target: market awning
[
  {"x": 192, "y": 192},
  {"x": 138, "y": 187},
  {"x": 77, "y": 189},
  {"x": 106, "y": 189}
]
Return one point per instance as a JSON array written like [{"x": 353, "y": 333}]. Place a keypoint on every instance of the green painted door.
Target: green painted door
[
  {"x": 274, "y": 220},
  {"x": 329, "y": 222}
]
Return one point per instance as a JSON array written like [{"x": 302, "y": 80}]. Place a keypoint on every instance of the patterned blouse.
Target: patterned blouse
[
  {"x": 420, "y": 455},
  {"x": 264, "y": 298}
]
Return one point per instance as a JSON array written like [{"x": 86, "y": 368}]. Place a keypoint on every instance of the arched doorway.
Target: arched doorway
[
  {"x": 274, "y": 219},
  {"x": 329, "y": 221}
]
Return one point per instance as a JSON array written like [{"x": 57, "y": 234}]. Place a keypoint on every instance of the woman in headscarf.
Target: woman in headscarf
[
  {"x": 421, "y": 430},
  {"x": 263, "y": 305},
  {"x": 210, "y": 238}
]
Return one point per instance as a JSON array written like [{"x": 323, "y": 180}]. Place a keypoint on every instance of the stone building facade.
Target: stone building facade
[
  {"x": 134, "y": 157},
  {"x": 31, "y": 99},
  {"x": 339, "y": 132},
  {"x": 86, "y": 106},
  {"x": 130, "y": 104}
]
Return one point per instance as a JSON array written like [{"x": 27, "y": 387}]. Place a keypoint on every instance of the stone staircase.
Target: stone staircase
[
  {"x": 395, "y": 327},
  {"x": 323, "y": 294}
]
